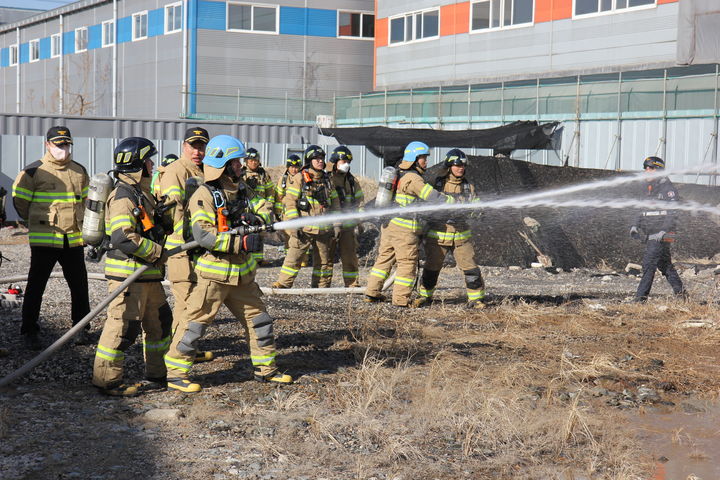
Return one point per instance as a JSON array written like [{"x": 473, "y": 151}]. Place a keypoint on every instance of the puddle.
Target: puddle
[{"x": 687, "y": 435}]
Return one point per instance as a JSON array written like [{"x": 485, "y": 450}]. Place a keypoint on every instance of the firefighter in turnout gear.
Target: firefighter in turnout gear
[
  {"x": 255, "y": 176},
  {"x": 155, "y": 183},
  {"x": 226, "y": 270},
  {"x": 173, "y": 184},
  {"x": 350, "y": 195},
  {"x": 400, "y": 238},
  {"x": 452, "y": 235},
  {"x": 49, "y": 195},
  {"x": 137, "y": 233},
  {"x": 309, "y": 194},
  {"x": 292, "y": 167},
  {"x": 656, "y": 227}
]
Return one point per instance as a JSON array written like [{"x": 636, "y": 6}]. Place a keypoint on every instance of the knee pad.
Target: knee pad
[
  {"x": 263, "y": 326},
  {"x": 195, "y": 331},
  {"x": 473, "y": 279},
  {"x": 430, "y": 278}
]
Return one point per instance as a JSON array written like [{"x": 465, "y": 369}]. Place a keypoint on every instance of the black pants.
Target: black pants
[
  {"x": 657, "y": 257},
  {"x": 42, "y": 261}
]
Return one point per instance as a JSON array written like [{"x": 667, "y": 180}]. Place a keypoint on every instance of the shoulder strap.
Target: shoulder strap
[{"x": 32, "y": 168}]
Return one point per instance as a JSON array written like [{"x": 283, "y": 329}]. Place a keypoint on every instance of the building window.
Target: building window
[
  {"x": 173, "y": 18},
  {"x": 13, "y": 55},
  {"x": 55, "y": 45},
  {"x": 34, "y": 50},
  {"x": 81, "y": 39},
  {"x": 493, "y": 14},
  {"x": 415, "y": 26},
  {"x": 140, "y": 25},
  {"x": 589, "y": 7},
  {"x": 356, "y": 24},
  {"x": 252, "y": 18},
  {"x": 108, "y": 33}
]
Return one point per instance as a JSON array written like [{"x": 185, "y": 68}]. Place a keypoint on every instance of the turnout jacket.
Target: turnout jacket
[
  {"x": 224, "y": 260},
  {"x": 319, "y": 193},
  {"x": 350, "y": 194},
  {"x": 260, "y": 182},
  {"x": 130, "y": 246},
  {"x": 49, "y": 195},
  {"x": 656, "y": 220},
  {"x": 455, "y": 230},
  {"x": 411, "y": 188}
]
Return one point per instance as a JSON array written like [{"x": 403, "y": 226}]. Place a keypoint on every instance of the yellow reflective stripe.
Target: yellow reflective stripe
[
  {"x": 291, "y": 213},
  {"x": 109, "y": 354},
  {"x": 264, "y": 359},
  {"x": 289, "y": 271},
  {"x": 63, "y": 197},
  {"x": 404, "y": 200},
  {"x": 351, "y": 274},
  {"x": 293, "y": 191},
  {"x": 375, "y": 272},
  {"x": 449, "y": 199},
  {"x": 144, "y": 249},
  {"x": 54, "y": 239},
  {"x": 174, "y": 190},
  {"x": 231, "y": 269},
  {"x": 120, "y": 221},
  {"x": 425, "y": 191},
  {"x": 405, "y": 223},
  {"x": 23, "y": 193},
  {"x": 464, "y": 235},
  {"x": 407, "y": 282},
  {"x": 127, "y": 267},
  {"x": 203, "y": 215},
  {"x": 159, "y": 346},
  {"x": 425, "y": 293},
  {"x": 475, "y": 294},
  {"x": 177, "y": 364},
  {"x": 222, "y": 242}
]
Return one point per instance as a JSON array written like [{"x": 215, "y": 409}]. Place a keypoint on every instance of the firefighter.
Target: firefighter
[
  {"x": 400, "y": 237},
  {"x": 49, "y": 195},
  {"x": 350, "y": 195},
  {"x": 292, "y": 167},
  {"x": 453, "y": 235},
  {"x": 155, "y": 183},
  {"x": 255, "y": 176},
  {"x": 657, "y": 228},
  {"x": 136, "y": 239},
  {"x": 309, "y": 194},
  {"x": 226, "y": 271},
  {"x": 180, "y": 267}
]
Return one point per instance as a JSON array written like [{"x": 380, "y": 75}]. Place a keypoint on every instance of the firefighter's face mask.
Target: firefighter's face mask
[
  {"x": 60, "y": 152},
  {"x": 343, "y": 166}
]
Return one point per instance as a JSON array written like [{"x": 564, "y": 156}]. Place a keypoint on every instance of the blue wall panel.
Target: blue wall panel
[
  {"x": 155, "y": 22},
  {"x": 94, "y": 36},
  {"x": 293, "y": 21},
  {"x": 4, "y": 57},
  {"x": 24, "y": 53},
  {"x": 212, "y": 15},
  {"x": 68, "y": 43},
  {"x": 124, "y": 29},
  {"x": 44, "y": 48}
]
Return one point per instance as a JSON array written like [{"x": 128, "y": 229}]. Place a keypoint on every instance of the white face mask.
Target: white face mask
[
  {"x": 60, "y": 152},
  {"x": 343, "y": 167}
]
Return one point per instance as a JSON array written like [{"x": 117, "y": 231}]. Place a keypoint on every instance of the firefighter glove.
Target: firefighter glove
[
  {"x": 252, "y": 243},
  {"x": 248, "y": 218},
  {"x": 162, "y": 259},
  {"x": 657, "y": 237},
  {"x": 634, "y": 232}
]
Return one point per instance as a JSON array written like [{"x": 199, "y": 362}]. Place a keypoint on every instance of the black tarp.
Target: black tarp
[{"x": 389, "y": 143}]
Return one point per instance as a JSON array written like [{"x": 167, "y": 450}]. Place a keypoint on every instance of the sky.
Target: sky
[{"x": 34, "y": 4}]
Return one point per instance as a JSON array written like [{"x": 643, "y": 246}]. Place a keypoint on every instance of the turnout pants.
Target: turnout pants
[
  {"x": 181, "y": 293},
  {"x": 348, "y": 245},
  {"x": 245, "y": 304},
  {"x": 464, "y": 257},
  {"x": 299, "y": 243},
  {"x": 42, "y": 262},
  {"x": 135, "y": 310},
  {"x": 397, "y": 245},
  {"x": 657, "y": 257}
]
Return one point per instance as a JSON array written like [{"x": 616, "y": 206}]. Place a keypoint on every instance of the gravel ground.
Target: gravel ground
[{"x": 53, "y": 423}]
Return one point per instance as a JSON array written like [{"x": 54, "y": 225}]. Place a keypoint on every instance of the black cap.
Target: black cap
[
  {"x": 196, "y": 133},
  {"x": 59, "y": 135}
]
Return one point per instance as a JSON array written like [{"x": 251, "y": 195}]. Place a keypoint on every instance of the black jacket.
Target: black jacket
[{"x": 656, "y": 220}]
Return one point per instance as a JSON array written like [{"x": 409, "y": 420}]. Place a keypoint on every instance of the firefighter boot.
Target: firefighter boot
[
  {"x": 371, "y": 299},
  {"x": 183, "y": 385},
  {"x": 422, "y": 302},
  {"x": 277, "y": 377},
  {"x": 205, "y": 356},
  {"x": 122, "y": 390}
]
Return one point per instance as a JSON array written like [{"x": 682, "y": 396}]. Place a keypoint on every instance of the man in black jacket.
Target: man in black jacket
[{"x": 657, "y": 227}]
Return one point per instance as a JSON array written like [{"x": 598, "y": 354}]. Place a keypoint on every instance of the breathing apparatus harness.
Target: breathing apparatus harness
[{"x": 316, "y": 189}]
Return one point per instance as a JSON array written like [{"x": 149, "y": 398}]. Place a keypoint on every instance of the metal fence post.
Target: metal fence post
[
  {"x": 469, "y": 95},
  {"x": 237, "y": 117},
  {"x": 439, "y": 108},
  {"x": 411, "y": 107},
  {"x": 618, "y": 135},
  {"x": 385, "y": 108},
  {"x": 713, "y": 178},
  {"x": 577, "y": 123},
  {"x": 360, "y": 117},
  {"x": 663, "y": 140},
  {"x": 502, "y": 103}
]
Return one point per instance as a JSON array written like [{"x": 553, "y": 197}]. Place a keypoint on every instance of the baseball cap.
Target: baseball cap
[
  {"x": 59, "y": 135},
  {"x": 196, "y": 133}
]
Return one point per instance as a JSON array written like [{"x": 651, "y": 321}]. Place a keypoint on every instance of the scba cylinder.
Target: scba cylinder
[
  {"x": 93, "y": 230},
  {"x": 386, "y": 187}
]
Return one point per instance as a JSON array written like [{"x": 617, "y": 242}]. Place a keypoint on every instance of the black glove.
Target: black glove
[
  {"x": 252, "y": 243},
  {"x": 251, "y": 219},
  {"x": 634, "y": 232}
]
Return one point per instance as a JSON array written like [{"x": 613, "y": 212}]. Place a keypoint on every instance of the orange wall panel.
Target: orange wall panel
[
  {"x": 381, "y": 32},
  {"x": 548, "y": 10},
  {"x": 660, "y": 2},
  {"x": 455, "y": 19}
]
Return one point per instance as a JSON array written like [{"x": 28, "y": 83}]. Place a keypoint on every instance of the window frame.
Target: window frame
[
  {"x": 252, "y": 17},
  {"x": 412, "y": 16},
  {"x": 13, "y": 48},
  {"x": 134, "y": 37},
  {"x": 55, "y": 40},
  {"x": 173, "y": 6},
  {"x": 500, "y": 27},
  {"x": 77, "y": 38},
  {"x": 351, "y": 37},
  {"x": 36, "y": 42},
  {"x": 110, "y": 43},
  {"x": 613, "y": 10}
]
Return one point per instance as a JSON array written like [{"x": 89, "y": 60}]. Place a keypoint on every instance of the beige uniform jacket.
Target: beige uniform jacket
[{"x": 319, "y": 193}]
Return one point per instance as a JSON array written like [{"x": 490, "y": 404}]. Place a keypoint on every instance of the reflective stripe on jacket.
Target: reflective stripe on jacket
[{"x": 410, "y": 189}]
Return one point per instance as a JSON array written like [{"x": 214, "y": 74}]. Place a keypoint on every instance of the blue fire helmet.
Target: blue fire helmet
[
  {"x": 412, "y": 151},
  {"x": 219, "y": 151}
]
